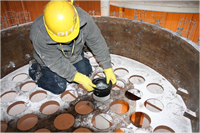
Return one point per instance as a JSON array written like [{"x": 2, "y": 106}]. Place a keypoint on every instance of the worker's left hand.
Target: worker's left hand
[{"x": 110, "y": 76}]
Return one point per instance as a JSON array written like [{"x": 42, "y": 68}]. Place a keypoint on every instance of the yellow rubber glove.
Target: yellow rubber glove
[
  {"x": 110, "y": 76},
  {"x": 85, "y": 81}
]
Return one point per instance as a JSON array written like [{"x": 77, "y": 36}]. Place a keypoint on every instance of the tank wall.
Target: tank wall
[
  {"x": 159, "y": 49},
  {"x": 168, "y": 54},
  {"x": 16, "y": 48}
]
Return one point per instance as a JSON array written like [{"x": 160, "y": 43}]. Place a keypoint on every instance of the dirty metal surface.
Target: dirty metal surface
[
  {"x": 173, "y": 56},
  {"x": 171, "y": 115},
  {"x": 16, "y": 48}
]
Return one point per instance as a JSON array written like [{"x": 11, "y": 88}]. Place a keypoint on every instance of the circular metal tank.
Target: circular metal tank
[{"x": 173, "y": 56}]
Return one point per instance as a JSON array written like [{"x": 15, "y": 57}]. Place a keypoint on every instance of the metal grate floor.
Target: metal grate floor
[{"x": 141, "y": 101}]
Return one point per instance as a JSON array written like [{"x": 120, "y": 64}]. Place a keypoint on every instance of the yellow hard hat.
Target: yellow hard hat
[{"x": 61, "y": 21}]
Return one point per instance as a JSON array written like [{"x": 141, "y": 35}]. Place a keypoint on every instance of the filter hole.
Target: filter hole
[
  {"x": 93, "y": 61},
  {"x": 49, "y": 107},
  {"x": 102, "y": 121},
  {"x": 99, "y": 75},
  {"x": 118, "y": 130},
  {"x": 64, "y": 121},
  {"x": 119, "y": 107},
  {"x": 28, "y": 86},
  {"x": 155, "y": 88},
  {"x": 84, "y": 107},
  {"x": 136, "y": 79},
  {"x": 8, "y": 96},
  {"x": 68, "y": 96},
  {"x": 20, "y": 77},
  {"x": 119, "y": 85},
  {"x": 4, "y": 126},
  {"x": 161, "y": 129},
  {"x": 27, "y": 122},
  {"x": 133, "y": 94},
  {"x": 121, "y": 72},
  {"x": 140, "y": 119},
  {"x": 153, "y": 105},
  {"x": 82, "y": 130},
  {"x": 38, "y": 96},
  {"x": 43, "y": 130},
  {"x": 16, "y": 108}
]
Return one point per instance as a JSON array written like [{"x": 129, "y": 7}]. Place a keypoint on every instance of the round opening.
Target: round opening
[
  {"x": 102, "y": 121},
  {"x": 123, "y": 130},
  {"x": 43, "y": 130},
  {"x": 161, "y": 129},
  {"x": 99, "y": 75},
  {"x": 112, "y": 64},
  {"x": 153, "y": 105},
  {"x": 4, "y": 126},
  {"x": 8, "y": 96},
  {"x": 119, "y": 106},
  {"x": 28, "y": 86},
  {"x": 68, "y": 96},
  {"x": 140, "y": 119},
  {"x": 120, "y": 72},
  {"x": 133, "y": 94},
  {"x": 27, "y": 122},
  {"x": 16, "y": 108},
  {"x": 64, "y": 121},
  {"x": 143, "y": 130},
  {"x": 93, "y": 61},
  {"x": 118, "y": 130},
  {"x": 119, "y": 85},
  {"x": 155, "y": 88},
  {"x": 136, "y": 79},
  {"x": 84, "y": 107},
  {"x": 38, "y": 96},
  {"x": 82, "y": 130},
  {"x": 20, "y": 77},
  {"x": 49, "y": 107},
  {"x": 81, "y": 87}
]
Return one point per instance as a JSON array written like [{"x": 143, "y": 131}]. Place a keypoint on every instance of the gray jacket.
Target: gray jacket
[{"x": 48, "y": 52}]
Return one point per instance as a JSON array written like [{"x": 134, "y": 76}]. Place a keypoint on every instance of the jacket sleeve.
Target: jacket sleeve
[
  {"x": 97, "y": 44},
  {"x": 53, "y": 58}
]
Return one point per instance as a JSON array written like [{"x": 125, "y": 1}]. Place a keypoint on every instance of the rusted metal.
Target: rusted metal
[{"x": 173, "y": 56}]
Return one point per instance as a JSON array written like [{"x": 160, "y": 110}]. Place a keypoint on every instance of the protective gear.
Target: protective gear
[
  {"x": 110, "y": 76},
  {"x": 85, "y": 81},
  {"x": 61, "y": 21},
  {"x": 49, "y": 55}
]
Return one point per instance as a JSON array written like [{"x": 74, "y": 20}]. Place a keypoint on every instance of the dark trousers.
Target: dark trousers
[{"x": 51, "y": 81}]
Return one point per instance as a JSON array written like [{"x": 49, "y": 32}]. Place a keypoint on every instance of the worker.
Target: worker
[{"x": 58, "y": 37}]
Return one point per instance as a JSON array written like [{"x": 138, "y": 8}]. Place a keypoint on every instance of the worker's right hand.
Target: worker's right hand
[{"x": 85, "y": 81}]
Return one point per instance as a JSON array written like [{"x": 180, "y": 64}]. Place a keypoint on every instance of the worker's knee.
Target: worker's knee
[
  {"x": 33, "y": 70},
  {"x": 48, "y": 80}
]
